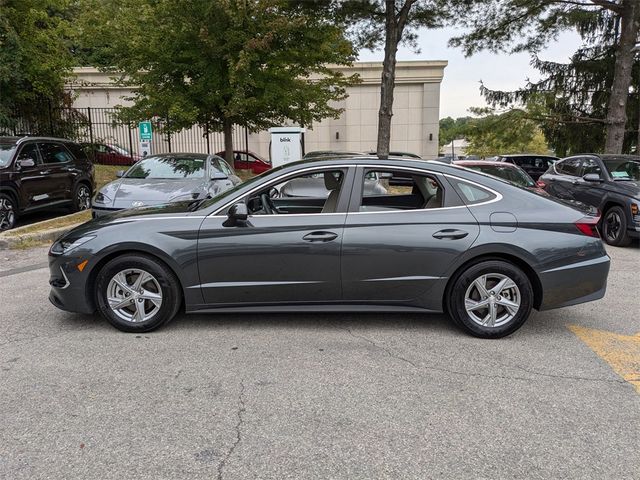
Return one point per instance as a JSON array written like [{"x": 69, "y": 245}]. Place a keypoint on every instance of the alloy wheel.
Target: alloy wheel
[
  {"x": 134, "y": 295},
  {"x": 612, "y": 225},
  {"x": 83, "y": 198},
  {"x": 7, "y": 214},
  {"x": 492, "y": 300}
]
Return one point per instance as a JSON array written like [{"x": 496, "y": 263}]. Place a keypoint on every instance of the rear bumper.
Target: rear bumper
[{"x": 576, "y": 283}]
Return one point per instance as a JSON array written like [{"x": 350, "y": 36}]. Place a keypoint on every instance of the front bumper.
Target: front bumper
[
  {"x": 97, "y": 212},
  {"x": 580, "y": 282},
  {"x": 69, "y": 285},
  {"x": 634, "y": 232}
]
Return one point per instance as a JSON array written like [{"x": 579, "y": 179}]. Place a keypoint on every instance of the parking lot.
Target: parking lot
[{"x": 317, "y": 395}]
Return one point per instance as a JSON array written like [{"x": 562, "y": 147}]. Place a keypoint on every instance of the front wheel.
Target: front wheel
[
  {"x": 137, "y": 293},
  {"x": 8, "y": 215},
  {"x": 491, "y": 299},
  {"x": 614, "y": 227}
]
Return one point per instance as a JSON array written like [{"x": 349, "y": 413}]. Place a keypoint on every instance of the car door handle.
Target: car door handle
[
  {"x": 320, "y": 236},
  {"x": 45, "y": 172},
  {"x": 450, "y": 234}
]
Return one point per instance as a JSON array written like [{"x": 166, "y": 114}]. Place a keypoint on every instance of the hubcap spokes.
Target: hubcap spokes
[
  {"x": 613, "y": 226},
  {"x": 7, "y": 215},
  {"x": 134, "y": 295},
  {"x": 84, "y": 198},
  {"x": 492, "y": 300}
]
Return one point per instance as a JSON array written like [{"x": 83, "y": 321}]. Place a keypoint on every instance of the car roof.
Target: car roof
[
  {"x": 481, "y": 163},
  {"x": 22, "y": 139},
  {"x": 182, "y": 154},
  {"x": 516, "y": 155}
]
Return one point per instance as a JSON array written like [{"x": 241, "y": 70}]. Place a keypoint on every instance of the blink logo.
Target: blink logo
[{"x": 285, "y": 139}]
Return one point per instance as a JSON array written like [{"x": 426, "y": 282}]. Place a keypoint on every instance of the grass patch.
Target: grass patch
[
  {"x": 105, "y": 174},
  {"x": 66, "y": 221}
]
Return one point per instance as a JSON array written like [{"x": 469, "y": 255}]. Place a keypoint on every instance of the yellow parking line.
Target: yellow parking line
[{"x": 621, "y": 352}]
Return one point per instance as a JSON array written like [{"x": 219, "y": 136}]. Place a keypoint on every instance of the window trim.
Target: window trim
[
  {"x": 38, "y": 158},
  {"x": 56, "y": 163}
]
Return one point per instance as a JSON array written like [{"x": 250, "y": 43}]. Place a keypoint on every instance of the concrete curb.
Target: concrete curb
[{"x": 13, "y": 238}]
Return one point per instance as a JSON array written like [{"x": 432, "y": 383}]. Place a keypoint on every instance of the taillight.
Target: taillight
[
  {"x": 540, "y": 184},
  {"x": 589, "y": 226}
]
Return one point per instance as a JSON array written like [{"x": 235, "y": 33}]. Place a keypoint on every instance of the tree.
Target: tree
[
  {"x": 389, "y": 23},
  {"x": 451, "y": 129},
  {"x": 608, "y": 27},
  {"x": 35, "y": 58},
  {"x": 503, "y": 133},
  {"x": 246, "y": 62}
]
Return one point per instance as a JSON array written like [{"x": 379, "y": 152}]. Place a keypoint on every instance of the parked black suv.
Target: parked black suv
[
  {"x": 534, "y": 165},
  {"x": 38, "y": 173},
  {"x": 609, "y": 182}
]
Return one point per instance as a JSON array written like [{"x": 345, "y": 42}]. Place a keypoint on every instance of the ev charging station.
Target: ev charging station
[{"x": 287, "y": 145}]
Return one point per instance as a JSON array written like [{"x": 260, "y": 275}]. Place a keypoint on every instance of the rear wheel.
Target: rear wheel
[
  {"x": 614, "y": 227},
  {"x": 137, "y": 293},
  {"x": 491, "y": 299},
  {"x": 81, "y": 197},
  {"x": 8, "y": 212}
]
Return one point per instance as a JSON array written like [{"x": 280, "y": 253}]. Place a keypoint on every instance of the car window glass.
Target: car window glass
[
  {"x": 416, "y": 191},
  {"x": 29, "y": 151},
  {"x": 473, "y": 194},
  {"x": 76, "y": 150},
  {"x": 6, "y": 153},
  {"x": 225, "y": 167},
  {"x": 167, "y": 167},
  {"x": 569, "y": 167},
  {"x": 589, "y": 165},
  {"x": 54, "y": 153}
]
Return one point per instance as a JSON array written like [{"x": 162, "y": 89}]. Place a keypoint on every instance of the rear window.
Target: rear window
[
  {"x": 473, "y": 194},
  {"x": 532, "y": 162},
  {"x": 6, "y": 153}
]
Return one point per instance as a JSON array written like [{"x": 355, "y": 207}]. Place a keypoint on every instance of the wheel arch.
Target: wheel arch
[
  {"x": 13, "y": 192},
  {"x": 519, "y": 262}
]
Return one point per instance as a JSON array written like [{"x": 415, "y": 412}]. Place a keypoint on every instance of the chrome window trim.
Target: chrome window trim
[{"x": 498, "y": 195}]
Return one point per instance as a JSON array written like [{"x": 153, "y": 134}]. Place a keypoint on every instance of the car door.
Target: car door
[
  {"x": 59, "y": 168},
  {"x": 398, "y": 245},
  {"x": 273, "y": 258},
  {"x": 34, "y": 183},
  {"x": 590, "y": 193},
  {"x": 565, "y": 173}
]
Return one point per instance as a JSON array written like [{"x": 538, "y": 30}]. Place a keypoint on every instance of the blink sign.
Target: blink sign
[
  {"x": 146, "y": 133},
  {"x": 286, "y": 145}
]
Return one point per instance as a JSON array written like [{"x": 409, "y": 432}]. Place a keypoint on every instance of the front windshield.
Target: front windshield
[
  {"x": 6, "y": 153},
  {"x": 510, "y": 174},
  {"x": 623, "y": 169},
  {"x": 168, "y": 167}
]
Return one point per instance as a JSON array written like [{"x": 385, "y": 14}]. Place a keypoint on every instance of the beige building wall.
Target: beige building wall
[{"x": 416, "y": 109}]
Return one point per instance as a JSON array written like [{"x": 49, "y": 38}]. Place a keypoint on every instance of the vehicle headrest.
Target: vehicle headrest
[{"x": 330, "y": 180}]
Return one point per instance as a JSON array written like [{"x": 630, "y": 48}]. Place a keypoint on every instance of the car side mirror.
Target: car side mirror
[
  {"x": 237, "y": 213},
  {"x": 215, "y": 175},
  {"x": 26, "y": 163},
  {"x": 592, "y": 177},
  {"x": 120, "y": 173}
]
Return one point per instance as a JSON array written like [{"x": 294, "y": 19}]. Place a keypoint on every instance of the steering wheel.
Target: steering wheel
[{"x": 267, "y": 204}]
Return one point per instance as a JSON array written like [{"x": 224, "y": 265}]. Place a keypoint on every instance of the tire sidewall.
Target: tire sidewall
[
  {"x": 622, "y": 239},
  {"x": 14, "y": 208},
  {"x": 459, "y": 289},
  {"x": 167, "y": 281}
]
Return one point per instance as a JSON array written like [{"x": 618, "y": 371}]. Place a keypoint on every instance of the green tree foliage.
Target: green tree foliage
[
  {"x": 588, "y": 93},
  {"x": 451, "y": 129},
  {"x": 35, "y": 55},
  {"x": 255, "y": 63}
]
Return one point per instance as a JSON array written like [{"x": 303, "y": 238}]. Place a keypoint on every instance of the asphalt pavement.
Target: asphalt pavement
[{"x": 306, "y": 396}]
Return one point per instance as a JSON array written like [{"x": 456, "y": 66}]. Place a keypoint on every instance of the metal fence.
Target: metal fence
[{"x": 102, "y": 125}]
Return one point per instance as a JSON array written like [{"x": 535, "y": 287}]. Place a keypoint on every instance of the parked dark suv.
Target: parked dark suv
[
  {"x": 38, "y": 173},
  {"x": 609, "y": 182},
  {"x": 534, "y": 165}
]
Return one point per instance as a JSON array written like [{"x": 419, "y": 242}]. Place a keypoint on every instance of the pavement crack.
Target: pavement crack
[
  {"x": 238, "y": 429},
  {"x": 393, "y": 354}
]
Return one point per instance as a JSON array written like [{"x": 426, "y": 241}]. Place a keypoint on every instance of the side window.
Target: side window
[
  {"x": 589, "y": 165},
  {"x": 224, "y": 166},
  {"x": 416, "y": 191},
  {"x": 77, "y": 151},
  {"x": 541, "y": 163},
  {"x": 569, "y": 167},
  {"x": 54, "y": 153},
  {"x": 29, "y": 151},
  {"x": 472, "y": 194}
]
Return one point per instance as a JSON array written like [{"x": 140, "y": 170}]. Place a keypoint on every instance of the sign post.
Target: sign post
[{"x": 145, "y": 133}]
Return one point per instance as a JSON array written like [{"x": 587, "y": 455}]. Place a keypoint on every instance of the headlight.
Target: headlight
[
  {"x": 65, "y": 245},
  {"x": 185, "y": 197},
  {"x": 101, "y": 198}
]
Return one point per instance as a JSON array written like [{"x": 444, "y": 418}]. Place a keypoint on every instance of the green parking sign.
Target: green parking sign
[{"x": 145, "y": 130}]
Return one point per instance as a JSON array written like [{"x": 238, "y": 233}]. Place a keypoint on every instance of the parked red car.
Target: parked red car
[
  {"x": 107, "y": 154},
  {"x": 248, "y": 160}
]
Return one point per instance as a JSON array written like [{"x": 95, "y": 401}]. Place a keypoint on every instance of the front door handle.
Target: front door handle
[
  {"x": 320, "y": 236},
  {"x": 450, "y": 234}
]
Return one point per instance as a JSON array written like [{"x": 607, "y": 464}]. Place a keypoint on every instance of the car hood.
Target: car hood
[
  {"x": 134, "y": 192},
  {"x": 628, "y": 187}
]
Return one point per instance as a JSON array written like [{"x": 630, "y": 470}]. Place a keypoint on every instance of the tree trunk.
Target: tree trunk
[
  {"x": 617, "y": 107},
  {"x": 228, "y": 141},
  {"x": 388, "y": 81}
]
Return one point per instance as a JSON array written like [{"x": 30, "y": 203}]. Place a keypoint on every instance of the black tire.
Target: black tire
[
  {"x": 494, "y": 270},
  {"x": 81, "y": 197},
  {"x": 8, "y": 212},
  {"x": 165, "y": 279},
  {"x": 614, "y": 227}
]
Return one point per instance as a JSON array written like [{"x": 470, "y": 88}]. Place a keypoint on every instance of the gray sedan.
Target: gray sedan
[
  {"x": 482, "y": 250},
  {"x": 166, "y": 178}
]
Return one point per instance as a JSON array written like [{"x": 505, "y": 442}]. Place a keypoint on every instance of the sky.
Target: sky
[{"x": 461, "y": 84}]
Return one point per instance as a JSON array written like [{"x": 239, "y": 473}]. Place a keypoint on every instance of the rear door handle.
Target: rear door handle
[
  {"x": 450, "y": 234},
  {"x": 320, "y": 236}
]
